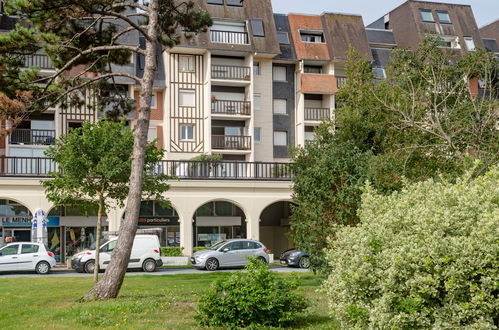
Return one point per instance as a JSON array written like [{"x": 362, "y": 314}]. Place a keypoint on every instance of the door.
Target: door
[
  {"x": 105, "y": 253},
  {"x": 231, "y": 254},
  {"x": 28, "y": 257},
  {"x": 9, "y": 257}
]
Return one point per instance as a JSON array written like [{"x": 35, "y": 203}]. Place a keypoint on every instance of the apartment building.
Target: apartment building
[{"x": 254, "y": 85}]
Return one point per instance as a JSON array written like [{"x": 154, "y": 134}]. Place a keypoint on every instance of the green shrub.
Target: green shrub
[
  {"x": 422, "y": 258},
  {"x": 171, "y": 251},
  {"x": 253, "y": 298}
]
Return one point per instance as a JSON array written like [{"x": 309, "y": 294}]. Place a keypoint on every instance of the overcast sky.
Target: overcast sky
[{"x": 486, "y": 11}]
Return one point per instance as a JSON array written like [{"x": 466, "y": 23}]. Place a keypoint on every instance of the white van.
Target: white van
[{"x": 145, "y": 255}]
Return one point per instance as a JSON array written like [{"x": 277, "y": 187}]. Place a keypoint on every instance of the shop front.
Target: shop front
[{"x": 155, "y": 214}]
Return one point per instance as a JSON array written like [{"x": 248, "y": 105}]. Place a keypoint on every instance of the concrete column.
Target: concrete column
[
  {"x": 114, "y": 215},
  {"x": 185, "y": 212},
  {"x": 253, "y": 222}
]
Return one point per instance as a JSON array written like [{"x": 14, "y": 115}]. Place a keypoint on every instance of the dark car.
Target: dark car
[{"x": 295, "y": 258}]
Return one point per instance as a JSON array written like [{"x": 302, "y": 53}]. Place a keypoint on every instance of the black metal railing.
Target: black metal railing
[
  {"x": 179, "y": 169},
  {"x": 229, "y": 37},
  {"x": 199, "y": 170},
  {"x": 230, "y": 72},
  {"x": 341, "y": 81},
  {"x": 39, "y": 60},
  {"x": 317, "y": 114},
  {"x": 231, "y": 107},
  {"x": 32, "y": 136},
  {"x": 231, "y": 142},
  {"x": 26, "y": 166}
]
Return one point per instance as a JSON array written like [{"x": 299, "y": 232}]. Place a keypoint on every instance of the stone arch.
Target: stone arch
[
  {"x": 274, "y": 226},
  {"x": 21, "y": 202}
]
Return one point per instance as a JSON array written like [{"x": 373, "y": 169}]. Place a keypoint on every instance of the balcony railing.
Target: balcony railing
[
  {"x": 32, "y": 136},
  {"x": 231, "y": 142},
  {"x": 26, "y": 166},
  {"x": 40, "y": 60},
  {"x": 183, "y": 169},
  {"x": 230, "y": 72},
  {"x": 317, "y": 114},
  {"x": 341, "y": 81},
  {"x": 224, "y": 107},
  {"x": 229, "y": 37}
]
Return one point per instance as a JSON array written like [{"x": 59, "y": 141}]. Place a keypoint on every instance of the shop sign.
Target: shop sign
[
  {"x": 159, "y": 221},
  {"x": 16, "y": 221}
]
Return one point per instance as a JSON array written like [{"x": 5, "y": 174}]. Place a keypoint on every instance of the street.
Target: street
[{"x": 60, "y": 272}]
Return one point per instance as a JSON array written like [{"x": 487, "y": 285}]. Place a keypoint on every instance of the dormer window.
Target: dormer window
[
  {"x": 443, "y": 17},
  {"x": 229, "y": 32},
  {"x": 313, "y": 36},
  {"x": 449, "y": 42},
  {"x": 427, "y": 15}
]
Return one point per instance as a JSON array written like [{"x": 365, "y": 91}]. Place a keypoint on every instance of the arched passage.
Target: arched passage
[
  {"x": 218, "y": 220},
  {"x": 275, "y": 227},
  {"x": 163, "y": 217},
  {"x": 15, "y": 221}
]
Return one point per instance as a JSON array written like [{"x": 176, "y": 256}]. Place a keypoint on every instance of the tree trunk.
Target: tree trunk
[
  {"x": 110, "y": 284},
  {"x": 97, "y": 239}
]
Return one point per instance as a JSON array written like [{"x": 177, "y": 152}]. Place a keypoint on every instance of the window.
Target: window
[
  {"x": 229, "y": 32},
  {"x": 151, "y": 134},
  {"x": 257, "y": 134},
  {"x": 248, "y": 245},
  {"x": 280, "y": 106},
  {"x": 187, "y": 98},
  {"x": 280, "y": 138},
  {"x": 154, "y": 101},
  {"x": 283, "y": 37},
  {"x": 235, "y": 3},
  {"x": 215, "y": 2},
  {"x": 309, "y": 136},
  {"x": 470, "y": 44},
  {"x": 279, "y": 73},
  {"x": 29, "y": 248},
  {"x": 426, "y": 15},
  {"x": 257, "y": 27},
  {"x": 312, "y": 36},
  {"x": 9, "y": 250},
  {"x": 187, "y": 63},
  {"x": 443, "y": 17},
  {"x": 449, "y": 42},
  {"x": 256, "y": 68},
  {"x": 257, "y": 101},
  {"x": 186, "y": 132},
  {"x": 312, "y": 69}
]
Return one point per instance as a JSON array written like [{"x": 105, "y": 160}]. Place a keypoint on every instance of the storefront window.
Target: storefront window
[
  {"x": 54, "y": 242},
  {"x": 147, "y": 209},
  {"x": 224, "y": 209},
  {"x": 10, "y": 208},
  {"x": 73, "y": 211},
  {"x": 161, "y": 216},
  {"x": 79, "y": 239},
  {"x": 206, "y": 210}
]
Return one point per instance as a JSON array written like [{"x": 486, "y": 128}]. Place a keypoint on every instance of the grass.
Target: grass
[{"x": 145, "y": 302}]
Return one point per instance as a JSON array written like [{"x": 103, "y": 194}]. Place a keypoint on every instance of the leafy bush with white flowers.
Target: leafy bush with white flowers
[{"x": 425, "y": 257}]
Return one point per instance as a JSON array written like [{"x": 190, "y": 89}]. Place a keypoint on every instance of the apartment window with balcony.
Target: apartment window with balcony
[
  {"x": 257, "y": 136},
  {"x": 257, "y": 101},
  {"x": 283, "y": 38},
  {"x": 187, "y": 98},
  {"x": 427, "y": 15},
  {"x": 280, "y": 106},
  {"x": 443, "y": 17},
  {"x": 186, "y": 132},
  {"x": 312, "y": 36},
  {"x": 154, "y": 101},
  {"x": 257, "y": 27},
  {"x": 235, "y": 3},
  {"x": 280, "y": 138},
  {"x": 279, "y": 73},
  {"x": 229, "y": 32},
  {"x": 256, "y": 68},
  {"x": 312, "y": 69},
  {"x": 187, "y": 63},
  {"x": 470, "y": 44}
]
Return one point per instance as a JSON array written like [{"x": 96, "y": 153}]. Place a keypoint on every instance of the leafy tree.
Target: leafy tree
[
  {"x": 85, "y": 40},
  {"x": 424, "y": 257},
  {"x": 94, "y": 164}
]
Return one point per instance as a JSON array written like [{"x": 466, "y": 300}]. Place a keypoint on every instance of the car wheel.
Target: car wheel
[
  {"x": 42, "y": 268},
  {"x": 211, "y": 264},
  {"x": 90, "y": 266},
  {"x": 149, "y": 266},
  {"x": 262, "y": 259},
  {"x": 304, "y": 262}
]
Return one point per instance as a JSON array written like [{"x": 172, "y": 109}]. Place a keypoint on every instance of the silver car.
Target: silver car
[{"x": 229, "y": 253}]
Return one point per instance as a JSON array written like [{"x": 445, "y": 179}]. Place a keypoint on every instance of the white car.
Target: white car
[
  {"x": 145, "y": 254},
  {"x": 26, "y": 257}
]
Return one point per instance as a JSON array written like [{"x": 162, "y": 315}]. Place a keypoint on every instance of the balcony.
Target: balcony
[
  {"x": 231, "y": 142},
  {"x": 39, "y": 60},
  {"x": 229, "y": 37},
  {"x": 40, "y": 167},
  {"x": 225, "y": 107},
  {"x": 230, "y": 72},
  {"x": 341, "y": 81},
  {"x": 314, "y": 83},
  {"x": 32, "y": 136},
  {"x": 317, "y": 114}
]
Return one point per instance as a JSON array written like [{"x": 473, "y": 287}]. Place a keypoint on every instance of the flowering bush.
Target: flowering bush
[{"x": 424, "y": 257}]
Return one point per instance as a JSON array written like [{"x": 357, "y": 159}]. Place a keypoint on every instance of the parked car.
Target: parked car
[
  {"x": 26, "y": 257},
  {"x": 229, "y": 253},
  {"x": 145, "y": 254},
  {"x": 295, "y": 258}
]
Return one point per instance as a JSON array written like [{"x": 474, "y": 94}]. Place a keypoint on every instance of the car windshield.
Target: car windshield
[
  {"x": 217, "y": 245},
  {"x": 102, "y": 242}
]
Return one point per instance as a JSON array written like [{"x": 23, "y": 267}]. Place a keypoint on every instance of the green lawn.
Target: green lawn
[{"x": 146, "y": 302}]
